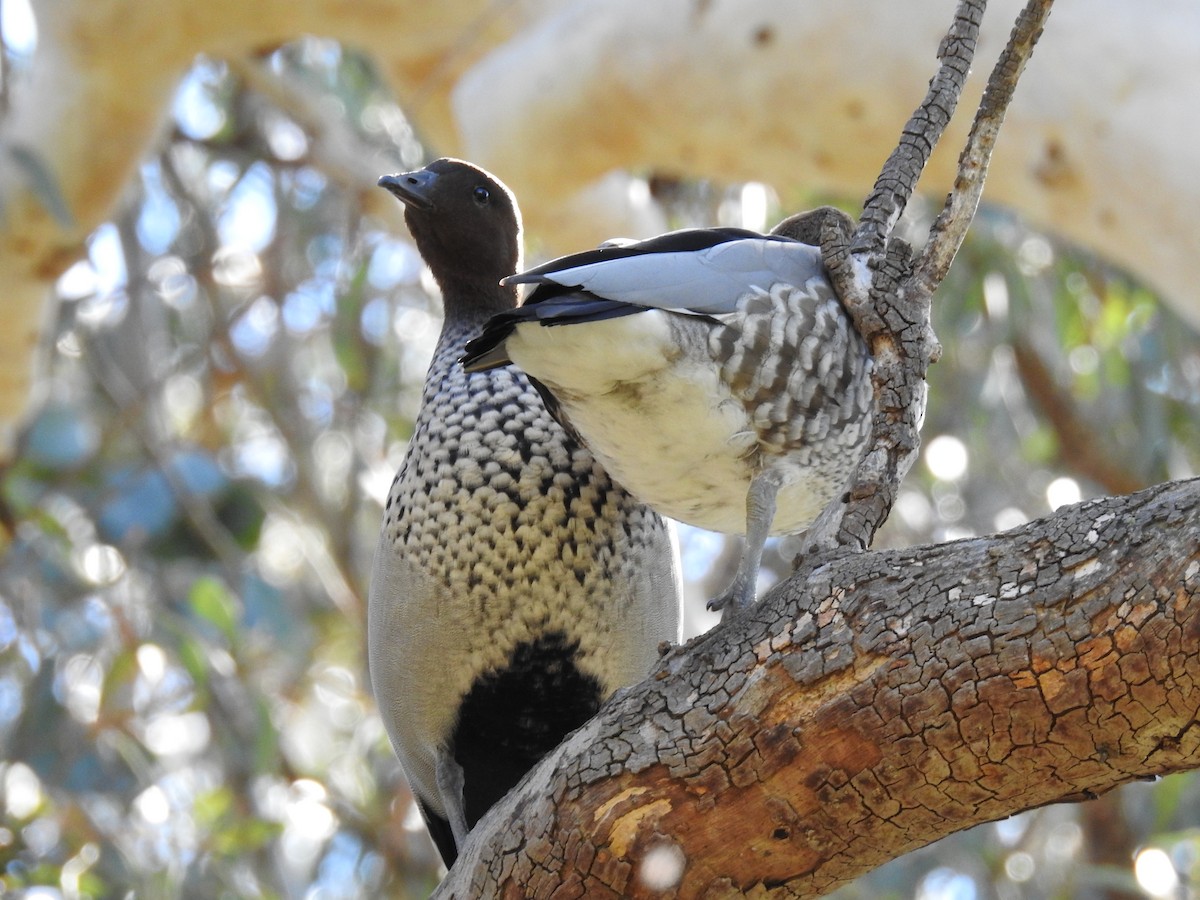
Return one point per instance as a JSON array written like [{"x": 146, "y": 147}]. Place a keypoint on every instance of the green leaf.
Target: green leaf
[
  {"x": 211, "y": 807},
  {"x": 266, "y": 741},
  {"x": 121, "y": 672},
  {"x": 194, "y": 659},
  {"x": 213, "y": 602}
]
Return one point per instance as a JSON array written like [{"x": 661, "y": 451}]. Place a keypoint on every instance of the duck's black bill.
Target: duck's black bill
[{"x": 411, "y": 188}]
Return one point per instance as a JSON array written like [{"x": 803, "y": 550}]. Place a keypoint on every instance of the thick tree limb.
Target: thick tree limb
[{"x": 892, "y": 699}]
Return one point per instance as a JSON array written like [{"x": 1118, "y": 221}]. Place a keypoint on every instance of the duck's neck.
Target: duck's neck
[{"x": 471, "y": 302}]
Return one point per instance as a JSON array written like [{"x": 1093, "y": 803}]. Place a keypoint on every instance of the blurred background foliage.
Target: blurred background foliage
[{"x": 234, "y": 370}]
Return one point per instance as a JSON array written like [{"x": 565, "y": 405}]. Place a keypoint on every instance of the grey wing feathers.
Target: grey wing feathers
[{"x": 708, "y": 281}]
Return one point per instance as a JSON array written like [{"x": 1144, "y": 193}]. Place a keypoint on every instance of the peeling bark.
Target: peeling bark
[{"x": 890, "y": 699}]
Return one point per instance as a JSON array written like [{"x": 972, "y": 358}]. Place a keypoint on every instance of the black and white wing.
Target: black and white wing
[{"x": 699, "y": 271}]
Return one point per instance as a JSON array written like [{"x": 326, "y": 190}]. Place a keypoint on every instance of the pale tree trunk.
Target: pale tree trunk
[
  {"x": 557, "y": 99},
  {"x": 99, "y": 88}
]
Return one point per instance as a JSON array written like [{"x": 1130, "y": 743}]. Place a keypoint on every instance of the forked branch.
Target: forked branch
[{"x": 889, "y": 298}]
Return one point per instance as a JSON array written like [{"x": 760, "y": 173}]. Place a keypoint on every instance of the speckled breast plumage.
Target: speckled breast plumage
[{"x": 498, "y": 518}]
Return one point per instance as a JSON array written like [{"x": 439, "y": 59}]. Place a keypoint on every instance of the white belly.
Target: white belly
[{"x": 663, "y": 423}]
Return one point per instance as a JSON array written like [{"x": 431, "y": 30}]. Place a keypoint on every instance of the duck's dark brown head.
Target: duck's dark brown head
[{"x": 465, "y": 222}]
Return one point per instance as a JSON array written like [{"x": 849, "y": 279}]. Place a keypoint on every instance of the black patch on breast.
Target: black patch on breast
[{"x": 511, "y": 718}]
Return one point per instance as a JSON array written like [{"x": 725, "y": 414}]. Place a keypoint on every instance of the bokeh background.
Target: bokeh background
[{"x": 229, "y": 379}]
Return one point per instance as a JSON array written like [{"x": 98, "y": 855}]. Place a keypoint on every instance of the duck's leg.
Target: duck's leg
[
  {"x": 450, "y": 786},
  {"x": 760, "y": 512}
]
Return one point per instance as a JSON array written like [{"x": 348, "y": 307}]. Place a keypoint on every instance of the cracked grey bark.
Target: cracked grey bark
[{"x": 890, "y": 699}]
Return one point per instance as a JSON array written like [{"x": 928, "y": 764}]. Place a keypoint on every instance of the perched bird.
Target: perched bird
[
  {"x": 515, "y": 585},
  {"x": 712, "y": 371}
]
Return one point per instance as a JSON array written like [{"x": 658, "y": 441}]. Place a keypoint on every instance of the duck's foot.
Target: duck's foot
[
  {"x": 760, "y": 511},
  {"x": 735, "y": 598}
]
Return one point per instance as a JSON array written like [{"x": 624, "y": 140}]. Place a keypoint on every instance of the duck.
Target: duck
[
  {"x": 713, "y": 371},
  {"x": 516, "y": 584}
]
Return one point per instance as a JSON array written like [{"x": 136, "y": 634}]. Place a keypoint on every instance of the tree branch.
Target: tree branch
[
  {"x": 898, "y": 179},
  {"x": 1078, "y": 447},
  {"x": 892, "y": 699},
  {"x": 890, "y": 299},
  {"x": 948, "y": 231},
  {"x": 851, "y": 716}
]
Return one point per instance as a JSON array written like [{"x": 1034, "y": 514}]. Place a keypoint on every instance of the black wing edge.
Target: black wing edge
[
  {"x": 556, "y": 411},
  {"x": 687, "y": 240},
  {"x": 487, "y": 350},
  {"x": 553, "y": 305}
]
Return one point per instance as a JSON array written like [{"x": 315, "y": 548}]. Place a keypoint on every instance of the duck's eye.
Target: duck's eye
[{"x": 482, "y": 195}]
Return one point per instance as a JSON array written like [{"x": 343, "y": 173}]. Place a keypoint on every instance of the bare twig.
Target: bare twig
[
  {"x": 334, "y": 570},
  {"x": 924, "y": 129},
  {"x": 339, "y": 152},
  {"x": 950, "y": 228},
  {"x": 888, "y": 297}
]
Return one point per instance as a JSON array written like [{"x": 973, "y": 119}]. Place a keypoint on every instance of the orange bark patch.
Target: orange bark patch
[{"x": 624, "y": 829}]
